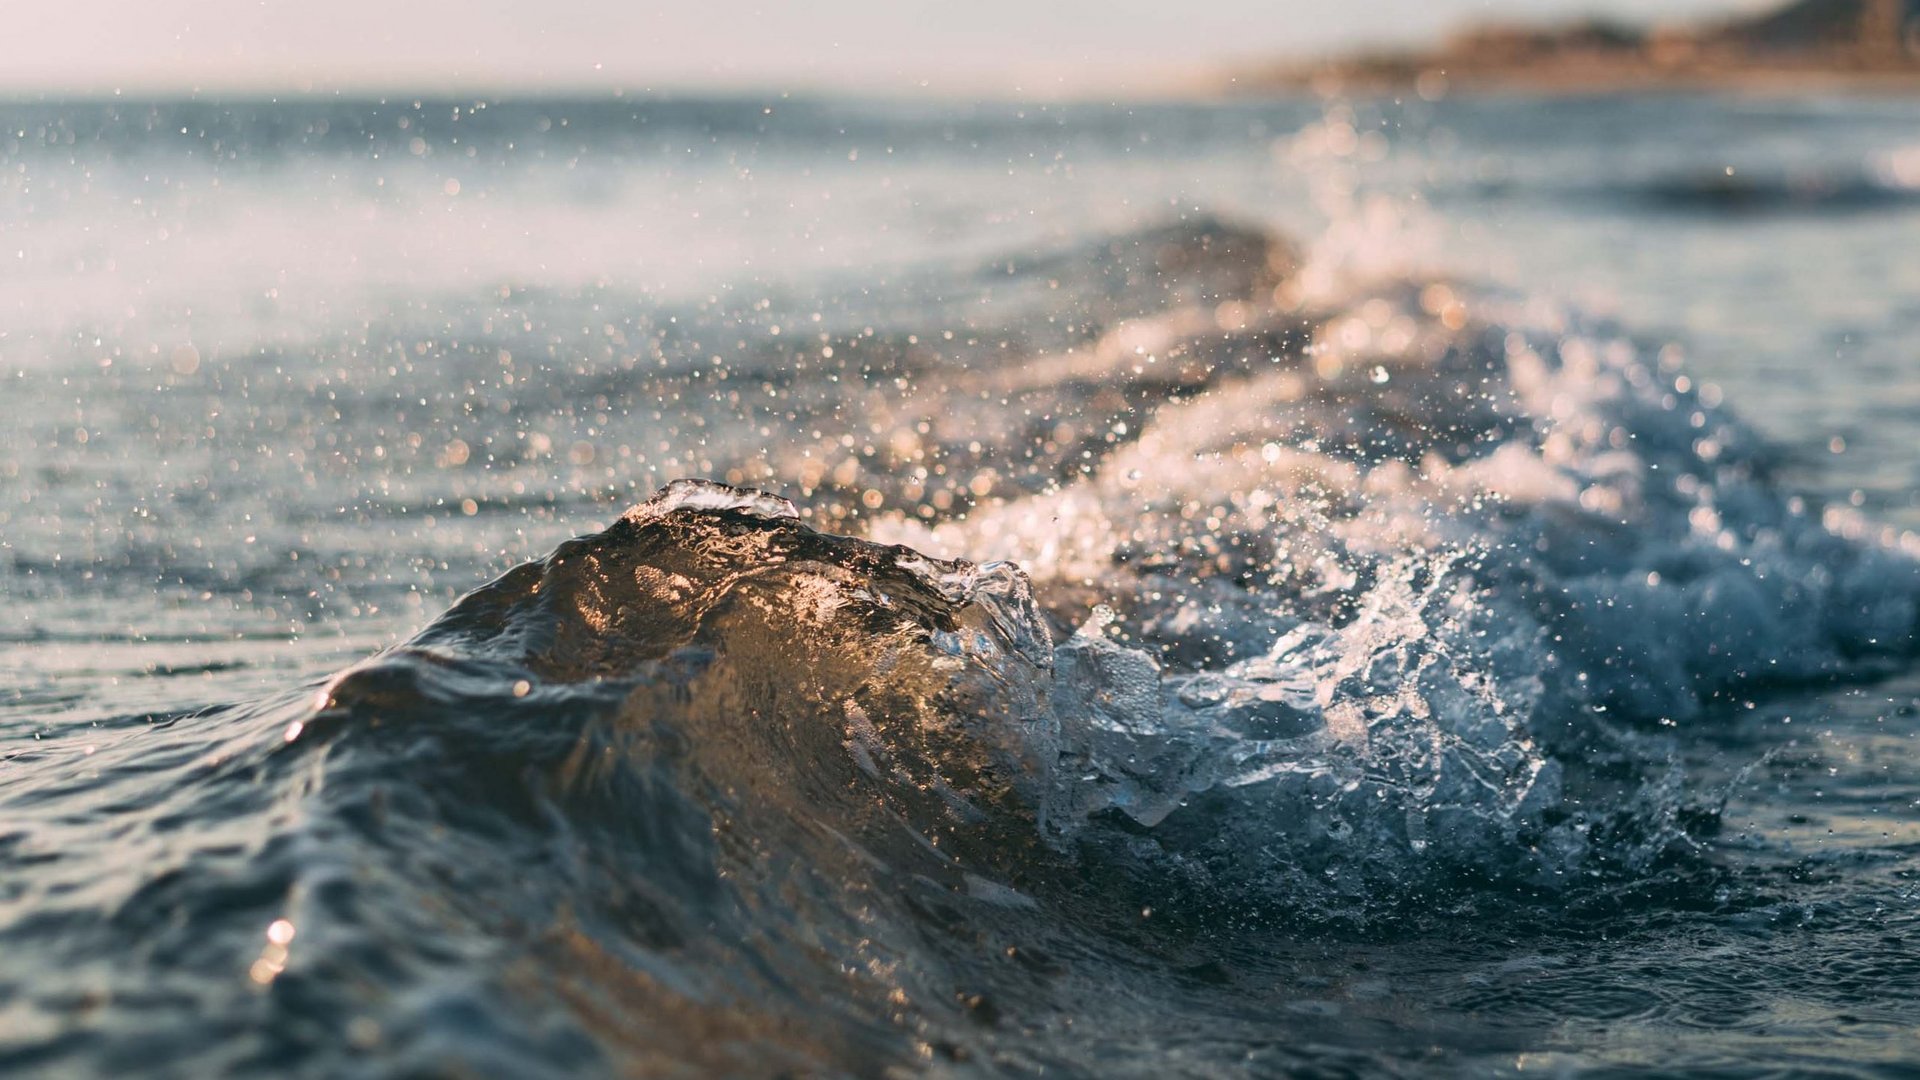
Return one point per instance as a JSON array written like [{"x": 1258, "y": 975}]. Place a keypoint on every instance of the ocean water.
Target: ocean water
[{"x": 826, "y": 587}]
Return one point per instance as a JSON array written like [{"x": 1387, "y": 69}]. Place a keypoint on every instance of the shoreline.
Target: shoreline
[{"x": 1436, "y": 81}]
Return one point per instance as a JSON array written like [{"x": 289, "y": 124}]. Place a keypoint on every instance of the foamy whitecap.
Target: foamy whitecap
[
  {"x": 707, "y": 496},
  {"x": 1366, "y": 587}
]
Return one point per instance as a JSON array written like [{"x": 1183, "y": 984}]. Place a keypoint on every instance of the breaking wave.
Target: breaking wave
[
  {"x": 1300, "y": 613},
  {"x": 1891, "y": 182}
]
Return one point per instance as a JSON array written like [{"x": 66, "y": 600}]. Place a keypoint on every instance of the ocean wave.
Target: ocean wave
[
  {"x": 1259, "y": 610},
  {"x": 1890, "y": 185}
]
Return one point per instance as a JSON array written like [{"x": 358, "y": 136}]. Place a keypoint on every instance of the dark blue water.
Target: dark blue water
[{"x": 1251, "y": 589}]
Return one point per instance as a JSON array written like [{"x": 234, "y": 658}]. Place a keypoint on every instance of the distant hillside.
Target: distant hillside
[
  {"x": 1869, "y": 42},
  {"x": 1807, "y": 24}
]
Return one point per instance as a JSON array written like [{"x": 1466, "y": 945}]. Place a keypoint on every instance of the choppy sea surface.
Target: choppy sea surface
[{"x": 813, "y": 587}]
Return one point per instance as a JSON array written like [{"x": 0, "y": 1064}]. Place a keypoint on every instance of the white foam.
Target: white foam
[
  {"x": 1437, "y": 548},
  {"x": 711, "y": 497}
]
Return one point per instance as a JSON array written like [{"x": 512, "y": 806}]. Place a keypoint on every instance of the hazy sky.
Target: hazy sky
[{"x": 998, "y": 46}]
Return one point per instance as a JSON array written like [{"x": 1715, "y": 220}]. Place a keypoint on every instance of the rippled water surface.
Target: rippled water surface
[{"x": 1396, "y": 588}]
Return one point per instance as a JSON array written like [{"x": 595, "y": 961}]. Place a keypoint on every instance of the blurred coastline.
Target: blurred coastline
[{"x": 1800, "y": 46}]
